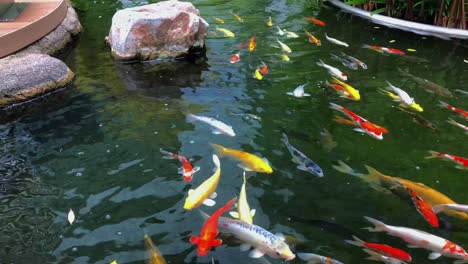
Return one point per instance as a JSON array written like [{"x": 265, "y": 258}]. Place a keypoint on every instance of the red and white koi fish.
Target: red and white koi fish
[
  {"x": 186, "y": 170},
  {"x": 263, "y": 68},
  {"x": 457, "y": 110},
  {"x": 462, "y": 162},
  {"x": 207, "y": 238},
  {"x": 383, "y": 249},
  {"x": 453, "y": 122},
  {"x": 442, "y": 207},
  {"x": 316, "y": 21},
  {"x": 365, "y": 126},
  {"x": 384, "y": 49},
  {"x": 416, "y": 238},
  {"x": 333, "y": 71},
  {"x": 235, "y": 58}
]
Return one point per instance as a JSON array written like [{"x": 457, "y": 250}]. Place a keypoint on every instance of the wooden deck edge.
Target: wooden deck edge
[{"x": 27, "y": 35}]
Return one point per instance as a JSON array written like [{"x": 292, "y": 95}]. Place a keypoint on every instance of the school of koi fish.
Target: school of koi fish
[{"x": 427, "y": 201}]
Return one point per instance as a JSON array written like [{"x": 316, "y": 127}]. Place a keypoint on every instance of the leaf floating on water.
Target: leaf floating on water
[
  {"x": 71, "y": 216},
  {"x": 411, "y": 50},
  {"x": 391, "y": 41}
]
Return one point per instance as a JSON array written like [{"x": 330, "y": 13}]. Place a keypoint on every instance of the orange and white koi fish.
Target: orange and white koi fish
[
  {"x": 186, "y": 170},
  {"x": 456, "y": 110},
  {"x": 263, "y": 68},
  {"x": 316, "y": 21},
  {"x": 207, "y": 238},
  {"x": 383, "y": 249},
  {"x": 462, "y": 162},
  {"x": 453, "y": 122},
  {"x": 252, "y": 44},
  {"x": 365, "y": 126},
  {"x": 238, "y": 18},
  {"x": 416, "y": 238},
  {"x": 270, "y": 22},
  {"x": 384, "y": 50},
  {"x": 333, "y": 71},
  {"x": 313, "y": 39},
  {"x": 235, "y": 58}
]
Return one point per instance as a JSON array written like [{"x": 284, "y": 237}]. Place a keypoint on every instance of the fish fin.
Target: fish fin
[
  {"x": 280, "y": 236},
  {"x": 346, "y": 169},
  {"x": 244, "y": 167},
  {"x": 434, "y": 255},
  {"x": 234, "y": 214},
  {"x": 434, "y": 154},
  {"x": 460, "y": 167},
  {"x": 306, "y": 256},
  {"x": 194, "y": 240},
  {"x": 373, "y": 255},
  {"x": 359, "y": 130},
  {"x": 252, "y": 212},
  {"x": 379, "y": 188},
  {"x": 302, "y": 167},
  {"x": 216, "y": 132},
  {"x": 195, "y": 169},
  {"x": 220, "y": 150},
  {"x": 412, "y": 246},
  {"x": 180, "y": 170},
  {"x": 285, "y": 138},
  {"x": 190, "y": 191},
  {"x": 209, "y": 202},
  {"x": 167, "y": 154},
  {"x": 256, "y": 253},
  {"x": 213, "y": 195},
  {"x": 204, "y": 215},
  {"x": 274, "y": 46},
  {"x": 217, "y": 242},
  {"x": 290, "y": 93},
  {"x": 356, "y": 241},
  {"x": 378, "y": 226},
  {"x": 306, "y": 94},
  {"x": 443, "y": 104},
  {"x": 321, "y": 63},
  {"x": 245, "y": 247}
]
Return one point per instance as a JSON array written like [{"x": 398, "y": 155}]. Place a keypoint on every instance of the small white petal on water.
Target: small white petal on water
[
  {"x": 71, "y": 216},
  {"x": 376, "y": 27}
]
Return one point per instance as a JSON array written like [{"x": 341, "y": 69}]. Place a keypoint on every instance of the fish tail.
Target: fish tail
[
  {"x": 378, "y": 226},
  {"x": 167, "y": 154},
  {"x": 336, "y": 107},
  {"x": 204, "y": 215},
  {"x": 285, "y": 138},
  {"x": 366, "y": 46},
  {"x": 320, "y": 63},
  {"x": 191, "y": 117},
  {"x": 444, "y": 104},
  {"x": 373, "y": 255},
  {"x": 220, "y": 150},
  {"x": 438, "y": 208},
  {"x": 451, "y": 121},
  {"x": 344, "y": 168},
  {"x": 343, "y": 120},
  {"x": 433, "y": 154},
  {"x": 356, "y": 241}
]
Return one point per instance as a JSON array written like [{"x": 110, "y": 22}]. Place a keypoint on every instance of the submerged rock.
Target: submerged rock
[{"x": 166, "y": 29}]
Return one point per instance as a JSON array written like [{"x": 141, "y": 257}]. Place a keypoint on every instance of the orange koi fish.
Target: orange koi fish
[
  {"x": 207, "y": 238},
  {"x": 456, "y": 110},
  {"x": 316, "y": 21},
  {"x": 313, "y": 39},
  {"x": 235, "y": 58},
  {"x": 384, "y": 49},
  {"x": 270, "y": 22},
  {"x": 462, "y": 162},
  {"x": 365, "y": 126},
  {"x": 263, "y": 68},
  {"x": 238, "y": 18},
  {"x": 252, "y": 44},
  {"x": 186, "y": 170}
]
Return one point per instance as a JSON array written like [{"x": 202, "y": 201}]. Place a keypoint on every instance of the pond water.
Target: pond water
[{"x": 98, "y": 151}]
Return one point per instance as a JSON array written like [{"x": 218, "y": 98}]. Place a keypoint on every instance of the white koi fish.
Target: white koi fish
[
  {"x": 416, "y": 238},
  {"x": 404, "y": 96},
  {"x": 314, "y": 258},
  {"x": 299, "y": 91},
  {"x": 333, "y": 71},
  {"x": 243, "y": 209},
  {"x": 218, "y": 126},
  {"x": 442, "y": 207},
  {"x": 289, "y": 34},
  {"x": 335, "y": 41},
  {"x": 377, "y": 257},
  {"x": 284, "y": 47}
]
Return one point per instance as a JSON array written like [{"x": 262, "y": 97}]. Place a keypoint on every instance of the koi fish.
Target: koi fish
[
  {"x": 284, "y": 47},
  {"x": 333, "y": 71},
  {"x": 384, "y": 183},
  {"x": 270, "y": 22},
  {"x": 340, "y": 89},
  {"x": 248, "y": 162},
  {"x": 152, "y": 252},
  {"x": 235, "y": 58},
  {"x": 243, "y": 209},
  {"x": 403, "y": 98},
  {"x": 260, "y": 239},
  {"x": 451, "y": 121},
  {"x": 218, "y": 127},
  {"x": 417, "y": 118},
  {"x": 416, "y": 238},
  {"x": 238, "y": 18},
  {"x": 226, "y": 32},
  {"x": 429, "y": 86},
  {"x": 335, "y": 41},
  {"x": 462, "y": 162},
  {"x": 305, "y": 163},
  {"x": 299, "y": 91},
  {"x": 289, "y": 34},
  {"x": 382, "y": 249},
  {"x": 207, "y": 238},
  {"x": 314, "y": 258},
  {"x": 352, "y": 93},
  {"x": 257, "y": 75},
  {"x": 326, "y": 140},
  {"x": 365, "y": 126},
  {"x": 206, "y": 190},
  {"x": 423, "y": 207},
  {"x": 264, "y": 68},
  {"x": 186, "y": 170},
  {"x": 347, "y": 63},
  {"x": 454, "y": 109},
  {"x": 384, "y": 49},
  {"x": 442, "y": 207},
  {"x": 377, "y": 257},
  {"x": 219, "y": 20},
  {"x": 316, "y": 21},
  {"x": 313, "y": 39},
  {"x": 252, "y": 44},
  {"x": 280, "y": 32},
  {"x": 285, "y": 57},
  {"x": 358, "y": 62}
]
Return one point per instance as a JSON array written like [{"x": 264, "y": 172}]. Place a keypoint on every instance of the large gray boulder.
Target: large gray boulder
[{"x": 166, "y": 29}]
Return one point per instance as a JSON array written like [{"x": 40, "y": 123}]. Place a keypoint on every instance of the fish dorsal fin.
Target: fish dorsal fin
[
  {"x": 190, "y": 191},
  {"x": 280, "y": 236},
  {"x": 252, "y": 212},
  {"x": 213, "y": 195}
]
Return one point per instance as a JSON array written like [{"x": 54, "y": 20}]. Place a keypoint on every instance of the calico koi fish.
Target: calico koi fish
[
  {"x": 207, "y": 238},
  {"x": 226, "y": 32},
  {"x": 416, "y": 238},
  {"x": 335, "y": 41},
  {"x": 152, "y": 252},
  {"x": 462, "y": 162},
  {"x": 248, "y": 162},
  {"x": 365, "y": 126},
  {"x": 263, "y": 68},
  {"x": 333, "y": 71},
  {"x": 453, "y": 122},
  {"x": 313, "y": 39},
  {"x": 314, "y": 258},
  {"x": 358, "y": 62},
  {"x": 377, "y": 257},
  {"x": 382, "y": 249},
  {"x": 243, "y": 209},
  {"x": 270, "y": 22},
  {"x": 352, "y": 93},
  {"x": 454, "y": 109},
  {"x": 299, "y": 91},
  {"x": 206, "y": 190},
  {"x": 186, "y": 170},
  {"x": 218, "y": 127},
  {"x": 384, "y": 49},
  {"x": 235, "y": 58},
  {"x": 305, "y": 163},
  {"x": 252, "y": 44},
  {"x": 316, "y": 21}
]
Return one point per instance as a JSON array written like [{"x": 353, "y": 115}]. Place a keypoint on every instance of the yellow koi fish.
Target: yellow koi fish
[
  {"x": 243, "y": 209},
  {"x": 284, "y": 47},
  {"x": 270, "y": 22},
  {"x": 258, "y": 75},
  {"x": 285, "y": 57},
  {"x": 249, "y": 162},
  {"x": 397, "y": 98},
  {"x": 226, "y": 32},
  {"x": 206, "y": 190},
  {"x": 386, "y": 183},
  {"x": 219, "y": 20},
  {"x": 153, "y": 254},
  {"x": 352, "y": 92}
]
